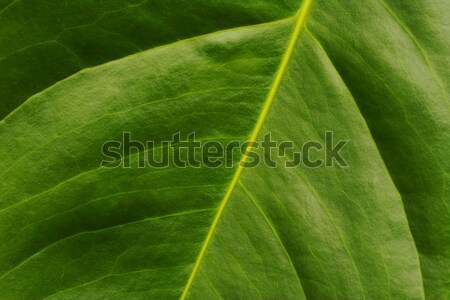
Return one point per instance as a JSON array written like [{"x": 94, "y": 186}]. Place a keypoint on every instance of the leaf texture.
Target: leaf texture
[{"x": 375, "y": 74}]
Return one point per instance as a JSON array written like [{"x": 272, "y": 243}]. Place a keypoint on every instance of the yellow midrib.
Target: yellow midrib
[{"x": 299, "y": 24}]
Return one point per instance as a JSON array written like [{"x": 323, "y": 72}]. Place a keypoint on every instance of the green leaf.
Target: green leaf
[
  {"x": 375, "y": 75},
  {"x": 393, "y": 56},
  {"x": 44, "y": 41}
]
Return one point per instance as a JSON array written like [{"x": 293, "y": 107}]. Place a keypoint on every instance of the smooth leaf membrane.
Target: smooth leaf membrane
[
  {"x": 44, "y": 41},
  {"x": 76, "y": 217},
  {"x": 72, "y": 230},
  {"x": 342, "y": 230},
  {"x": 393, "y": 56}
]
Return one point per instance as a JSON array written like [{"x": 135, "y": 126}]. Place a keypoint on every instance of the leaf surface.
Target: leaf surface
[
  {"x": 44, "y": 42},
  {"x": 372, "y": 74}
]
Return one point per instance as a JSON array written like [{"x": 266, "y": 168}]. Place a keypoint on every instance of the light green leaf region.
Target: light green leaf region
[{"x": 374, "y": 73}]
